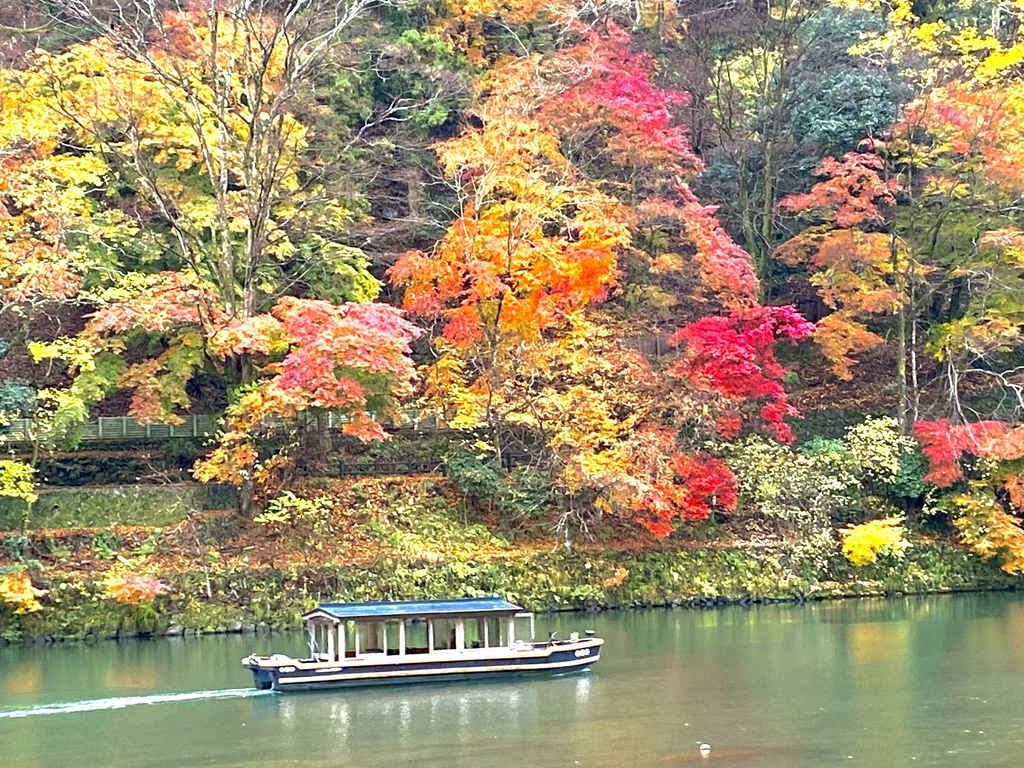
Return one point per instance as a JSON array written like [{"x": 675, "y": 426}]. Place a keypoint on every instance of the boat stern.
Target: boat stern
[{"x": 264, "y": 671}]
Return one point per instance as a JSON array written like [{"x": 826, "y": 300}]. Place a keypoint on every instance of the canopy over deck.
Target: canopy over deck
[{"x": 467, "y": 606}]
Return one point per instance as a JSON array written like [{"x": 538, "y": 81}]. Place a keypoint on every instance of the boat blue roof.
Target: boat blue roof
[{"x": 455, "y": 607}]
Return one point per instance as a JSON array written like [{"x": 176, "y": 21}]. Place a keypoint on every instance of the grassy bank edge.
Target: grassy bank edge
[{"x": 580, "y": 579}]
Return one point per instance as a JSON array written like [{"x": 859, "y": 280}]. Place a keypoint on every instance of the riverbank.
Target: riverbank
[
  {"x": 216, "y": 600},
  {"x": 394, "y": 538}
]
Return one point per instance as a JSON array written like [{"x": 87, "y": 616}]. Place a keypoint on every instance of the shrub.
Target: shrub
[
  {"x": 133, "y": 588},
  {"x": 474, "y": 470},
  {"x": 878, "y": 449},
  {"x": 800, "y": 489},
  {"x": 862, "y": 544},
  {"x": 16, "y": 589},
  {"x": 17, "y": 480},
  {"x": 289, "y": 508}
]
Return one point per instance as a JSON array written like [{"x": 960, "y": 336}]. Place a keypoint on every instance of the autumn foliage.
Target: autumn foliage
[
  {"x": 853, "y": 195},
  {"x": 984, "y": 522},
  {"x": 615, "y": 112},
  {"x": 991, "y": 531},
  {"x": 352, "y": 359},
  {"x": 862, "y": 544},
  {"x": 852, "y": 263},
  {"x": 174, "y": 180},
  {"x": 534, "y": 239},
  {"x": 134, "y": 588},
  {"x": 569, "y": 156},
  {"x": 17, "y": 590},
  {"x": 694, "y": 486},
  {"x": 732, "y": 359},
  {"x": 944, "y": 445}
]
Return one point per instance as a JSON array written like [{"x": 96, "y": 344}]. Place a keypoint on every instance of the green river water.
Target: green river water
[{"x": 936, "y": 681}]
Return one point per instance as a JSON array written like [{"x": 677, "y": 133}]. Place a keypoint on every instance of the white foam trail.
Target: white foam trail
[{"x": 120, "y": 702}]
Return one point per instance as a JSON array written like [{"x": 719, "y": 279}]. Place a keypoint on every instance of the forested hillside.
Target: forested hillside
[{"x": 654, "y": 272}]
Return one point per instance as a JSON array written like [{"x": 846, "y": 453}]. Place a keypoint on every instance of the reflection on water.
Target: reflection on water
[
  {"x": 433, "y": 722},
  {"x": 25, "y": 678},
  {"x": 463, "y": 711},
  {"x": 928, "y": 682}
]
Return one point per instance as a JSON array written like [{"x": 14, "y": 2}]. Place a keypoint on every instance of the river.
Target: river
[{"x": 934, "y": 681}]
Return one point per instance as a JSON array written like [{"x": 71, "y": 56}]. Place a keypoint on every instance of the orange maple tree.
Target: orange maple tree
[
  {"x": 536, "y": 247},
  {"x": 989, "y": 506},
  {"x": 855, "y": 266},
  {"x": 352, "y": 360}
]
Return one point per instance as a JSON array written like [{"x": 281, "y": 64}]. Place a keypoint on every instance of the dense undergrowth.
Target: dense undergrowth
[
  {"x": 405, "y": 538},
  {"x": 222, "y": 600}
]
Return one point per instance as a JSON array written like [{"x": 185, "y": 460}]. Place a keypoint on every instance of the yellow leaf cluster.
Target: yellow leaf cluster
[
  {"x": 46, "y": 198},
  {"x": 451, "y": 391},
  {"x": 17, "y": 590},
  {"x": 955, "y": 48},
  {"x": 203, "y": 104},
  {"x": 17, "y": 480},
  {"x": 862, "y": 544},
  {"x": 989, "y": 529}
]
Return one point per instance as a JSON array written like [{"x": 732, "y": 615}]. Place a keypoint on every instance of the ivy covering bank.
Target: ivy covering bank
[{"x": 244, "y": 600}]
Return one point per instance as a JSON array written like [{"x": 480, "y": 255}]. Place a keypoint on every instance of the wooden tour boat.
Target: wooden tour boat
[{"x": 358, "y": 644}]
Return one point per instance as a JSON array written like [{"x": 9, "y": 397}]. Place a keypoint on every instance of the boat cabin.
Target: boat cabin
[
  {"x": 360, "y": 644},
  {"x": 339, "y": 631}
]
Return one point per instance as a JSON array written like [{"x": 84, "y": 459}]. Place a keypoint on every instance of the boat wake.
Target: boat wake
[{"x": 120, "y": 702}]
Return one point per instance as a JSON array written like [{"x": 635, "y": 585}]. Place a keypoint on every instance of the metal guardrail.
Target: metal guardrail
[
  {"x": 122, "y": 428},
  {"x": 412, "y": 466},
  {"x": 387, "y": 468},
  {"x": 127, "y": 428}
]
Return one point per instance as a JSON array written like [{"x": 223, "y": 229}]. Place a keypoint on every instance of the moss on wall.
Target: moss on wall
[{"x": 98, "y": 506}]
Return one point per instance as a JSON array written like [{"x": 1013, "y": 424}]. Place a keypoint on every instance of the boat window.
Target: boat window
[
  {"x": 474, "y": 633},
  {"x": 315, "y": 637},
  {"x": 350, "y": 639},
  {"x": 416, "y": 636},
  {"x": 370, "y": 637},
  {"x": 495, "y": 632},
  {"x": 391, "y": 637},
  {"x": 444, "y": 634},
  {"x": 321, "y": 643},
  {"x": 524, "y": 626}
]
